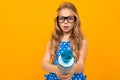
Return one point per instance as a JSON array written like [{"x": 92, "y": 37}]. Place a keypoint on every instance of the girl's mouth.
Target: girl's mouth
[{"x": 65, "y": 27}]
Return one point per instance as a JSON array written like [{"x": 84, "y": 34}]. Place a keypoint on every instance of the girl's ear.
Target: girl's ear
[
  {"x": 55, "y": 21},
  {"x": 74, "y": 25}
]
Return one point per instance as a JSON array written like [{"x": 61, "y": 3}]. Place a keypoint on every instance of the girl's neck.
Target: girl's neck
[{"x": 65, "y": 37}]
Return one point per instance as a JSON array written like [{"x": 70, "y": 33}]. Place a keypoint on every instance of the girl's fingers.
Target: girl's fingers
[
  {"x": 67, "y": 79},
  {"x": 66, "y": 76}
]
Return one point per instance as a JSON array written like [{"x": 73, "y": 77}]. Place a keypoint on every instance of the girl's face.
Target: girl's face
[{"x": 66, "y": 20}]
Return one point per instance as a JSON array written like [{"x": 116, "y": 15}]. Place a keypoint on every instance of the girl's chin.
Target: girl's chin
[{"x": 66, "y": 31}]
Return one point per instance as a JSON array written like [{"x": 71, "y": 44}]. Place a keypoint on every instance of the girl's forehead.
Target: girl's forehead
[{"x": 65, "y": 12}]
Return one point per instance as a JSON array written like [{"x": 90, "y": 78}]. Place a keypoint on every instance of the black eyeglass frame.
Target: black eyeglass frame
[{"x": 66, "y": 18}]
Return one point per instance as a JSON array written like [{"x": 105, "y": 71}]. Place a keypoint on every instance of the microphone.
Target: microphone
[{"x": 66, "y": 61}]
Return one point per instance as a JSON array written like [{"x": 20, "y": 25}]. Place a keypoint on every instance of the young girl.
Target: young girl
[{"x": 66, "y": 34}]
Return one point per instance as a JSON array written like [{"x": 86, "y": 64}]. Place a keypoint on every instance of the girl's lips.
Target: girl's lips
[{"x": 65, "y": 27}]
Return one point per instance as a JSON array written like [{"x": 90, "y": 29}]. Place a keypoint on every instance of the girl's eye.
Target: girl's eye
[
  {"x": 70, "y": 18},
  {"x": 61, "y": 18}
]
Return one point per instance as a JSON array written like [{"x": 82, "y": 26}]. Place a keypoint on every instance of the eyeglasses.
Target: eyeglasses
[{"x": 70, "y": 19}]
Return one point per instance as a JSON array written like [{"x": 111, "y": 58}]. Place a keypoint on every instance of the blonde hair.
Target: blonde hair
[{"x": 76, "y": 35}]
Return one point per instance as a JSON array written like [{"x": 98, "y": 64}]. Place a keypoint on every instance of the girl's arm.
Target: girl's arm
[
  {"x": 79, "y": 66},
  {"x": 46, "y": 61}
]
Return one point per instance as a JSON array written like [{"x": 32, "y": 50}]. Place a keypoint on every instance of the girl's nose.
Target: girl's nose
[{"x": 65, "y": 21}]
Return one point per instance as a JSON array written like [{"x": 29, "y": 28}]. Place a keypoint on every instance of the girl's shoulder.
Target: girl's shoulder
[
  {"x": 84, "y": 39},
  {"x": 48, "y": 44}
]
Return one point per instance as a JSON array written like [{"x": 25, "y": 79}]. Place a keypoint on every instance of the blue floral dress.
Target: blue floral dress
[{"x": 52, "y": 76}]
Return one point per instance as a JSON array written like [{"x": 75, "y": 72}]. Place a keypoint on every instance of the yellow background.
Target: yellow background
[{"x": 26, "y": 26}]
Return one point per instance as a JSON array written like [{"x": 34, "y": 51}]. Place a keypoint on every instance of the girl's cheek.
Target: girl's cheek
[{"x": 61, "y": 25}]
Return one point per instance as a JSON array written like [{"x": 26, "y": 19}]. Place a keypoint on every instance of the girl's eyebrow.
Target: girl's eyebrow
[{"x": 65, "y": 16}]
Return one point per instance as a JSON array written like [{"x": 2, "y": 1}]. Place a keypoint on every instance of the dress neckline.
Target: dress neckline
[{"x": 65, "y": 41}]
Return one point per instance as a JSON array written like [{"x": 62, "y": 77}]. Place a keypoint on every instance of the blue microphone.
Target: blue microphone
[{"x": 66, "y": 61}]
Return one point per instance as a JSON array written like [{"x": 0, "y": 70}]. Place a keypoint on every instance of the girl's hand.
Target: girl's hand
[{"x": 64, "y": 76}]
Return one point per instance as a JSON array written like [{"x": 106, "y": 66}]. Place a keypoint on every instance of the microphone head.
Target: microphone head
[{"x": 67, "y": 55}]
